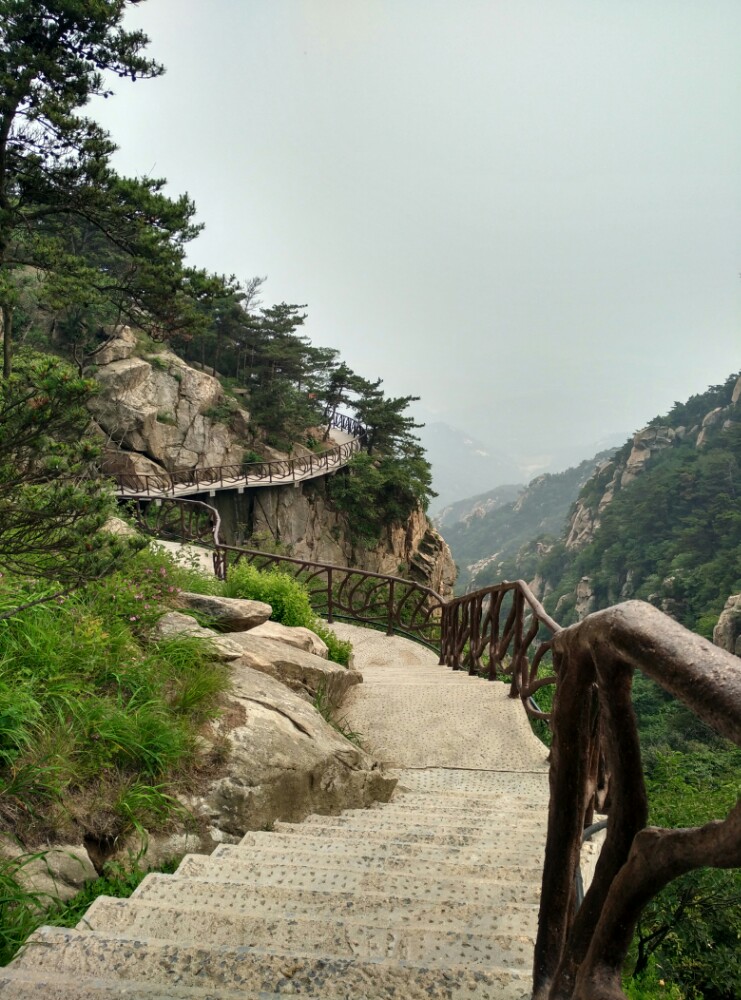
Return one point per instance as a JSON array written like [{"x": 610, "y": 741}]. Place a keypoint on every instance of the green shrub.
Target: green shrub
[
  {"x": 289, "y": 600},
  {"x": 99, "y": 727}
]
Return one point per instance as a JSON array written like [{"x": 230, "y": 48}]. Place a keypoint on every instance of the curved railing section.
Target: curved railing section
[
  {"x": 390, "y": 603},
  {"x": 184, "y": 482},
  {"x": 504, "y": 631},
  {"x": 580, "y": 955},
  {"x": 501, "y": 631}
]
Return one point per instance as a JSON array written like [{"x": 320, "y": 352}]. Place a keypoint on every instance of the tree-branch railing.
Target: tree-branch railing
[
  {"x": 279, "y": 471},
  {"x": 579, "y": 955},
  {"x": 504, "y": 631}
]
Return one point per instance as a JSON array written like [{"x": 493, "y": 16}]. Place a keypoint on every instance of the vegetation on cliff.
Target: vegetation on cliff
[
  {"x": 485, "y": 546},
  {"x": 671, "y": 534}
]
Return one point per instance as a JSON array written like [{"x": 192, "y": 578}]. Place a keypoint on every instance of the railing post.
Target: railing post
[
  {"x": 330, "y": 597},
  {"x": 443, "y": 626},
  {"x": 390, "y": 628}
]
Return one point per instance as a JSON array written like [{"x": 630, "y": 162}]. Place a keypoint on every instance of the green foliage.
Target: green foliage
[
  {"x": 377, "y": 491},
  {"x": 289, "y": 600},
  {"x": 323, "y": 704},
  {"x": 104, "y": 248},
  {"x": 518, "y": 532},
  {"x": 339, "y": 650},
  {"x": 651, "y": 985},
  {"x": 689, "y": 934},
  {"x": 97, "y": 727},
  {"x": 673, "y": 535},
  {"x": 22, "y": 910},
  {"x": 51, "y": 509}
]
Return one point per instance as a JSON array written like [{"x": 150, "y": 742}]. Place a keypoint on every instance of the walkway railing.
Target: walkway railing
[
  {"x": 183, "y": 482},
  {"x": 504, "y": 630}
]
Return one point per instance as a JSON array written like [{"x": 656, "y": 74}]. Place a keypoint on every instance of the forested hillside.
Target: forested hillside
[
  {"x": 486, "y": 542},
  {"x": 85, "y": 252},
  {"x": 662, "y": 521}
]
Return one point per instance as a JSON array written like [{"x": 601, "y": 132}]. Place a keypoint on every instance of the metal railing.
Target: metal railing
[
  {"x": 279, "y": 472},
  {"x": 505, "y": 631}
]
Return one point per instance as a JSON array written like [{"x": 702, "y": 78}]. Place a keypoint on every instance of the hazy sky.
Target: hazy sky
[{"x": 527, "y": 212}]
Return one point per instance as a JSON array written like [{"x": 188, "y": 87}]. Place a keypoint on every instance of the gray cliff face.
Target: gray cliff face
[
  {"x": 614, "y": 475},
  {"x": 727, "y": 633},
  {"x": 300, "y": 522},
  {"x": 158, "y": 414}
]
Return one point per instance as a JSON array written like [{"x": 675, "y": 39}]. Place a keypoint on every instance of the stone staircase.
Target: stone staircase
[{"x": 433, "y": 895}]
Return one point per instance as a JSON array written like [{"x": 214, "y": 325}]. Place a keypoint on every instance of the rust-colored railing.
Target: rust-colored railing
[
  {"x": 580, "y": 955},
  {"x": 495, "y": 632},
  {"x": 505, "y": 631},
  {"x": 390, "y": 603},
  {"x": 246, "y": 474}
]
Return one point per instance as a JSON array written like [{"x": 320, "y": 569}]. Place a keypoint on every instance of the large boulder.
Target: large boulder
[
  {"x": 727, "y": 633},
  {"x": 293, "y": 635},
  {"x": 58, "y": 872},
  {"x": 228, "y": 614},
  {"x": 285, "y": 762},
  {"x": 163, "y": 408},
  {"x": 303, "y": 672},
  {"x": 175, "y": 625}
]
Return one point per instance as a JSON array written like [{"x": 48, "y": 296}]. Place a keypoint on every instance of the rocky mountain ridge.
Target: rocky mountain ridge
[
  {"x": 634, "y": 459},
  {"x": 157, "y": 414},
  {"x": 659, "y": 521},
  {"x": 486, "y": 541}
]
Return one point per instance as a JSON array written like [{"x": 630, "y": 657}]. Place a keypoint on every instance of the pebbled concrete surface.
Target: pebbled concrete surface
[{"x": 415, "y": 713}]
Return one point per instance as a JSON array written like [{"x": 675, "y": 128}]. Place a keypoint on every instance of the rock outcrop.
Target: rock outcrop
[
  {"x": 227, "y": 614},
  {"x": 157, "y": 414},
  {"x": 306, "y": 674},
  {"x": 160, "y": 414},
  {"x": 301, "y": 521},
  {"x": 284, "y": 763},
  {"x": 610, "y": 477},
  {"x": 727, "y": 633}
]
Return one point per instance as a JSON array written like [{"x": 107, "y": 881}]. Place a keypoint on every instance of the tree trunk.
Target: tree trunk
[{"x": 7, "y": 317}]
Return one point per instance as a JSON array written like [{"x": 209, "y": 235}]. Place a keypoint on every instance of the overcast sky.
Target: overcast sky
[{"x": 525, "y": 212}]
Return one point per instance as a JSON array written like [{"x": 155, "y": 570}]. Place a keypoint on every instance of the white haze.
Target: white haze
[{"x": 527, "y": 213}]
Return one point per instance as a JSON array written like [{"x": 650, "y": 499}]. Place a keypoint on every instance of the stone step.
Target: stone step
[
  {"x": 515, "y": 887},
  {"x": 413, "y": 826},
  {"x": 423, "y": 835},
  {"x": 496, "y": 915},
  {"x": 25, "y": 984},
  {"x": 455, "y": 802},
  {"x": 532, "y": 786},
  {"x": 425, "y": 947},
  {"x": 411, "y": 813},
  {"x": 503, "y": 800},
  {"x": 87, "y": 953},
  {"x": 232, "y": 858},
  {"x": 282, "y": 846}
]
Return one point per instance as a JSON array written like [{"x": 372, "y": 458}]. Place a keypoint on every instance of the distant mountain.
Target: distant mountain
[
  {"x": 462, "y": 466},
  {"x": 567, "y": 457},
  {"x": 464, "y": 510},
  {"x": 660, "y": 522},
  {"x": 485, "y": 541}
]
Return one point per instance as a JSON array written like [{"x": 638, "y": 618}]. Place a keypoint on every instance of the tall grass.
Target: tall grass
[{"x": 99, "y": 726}]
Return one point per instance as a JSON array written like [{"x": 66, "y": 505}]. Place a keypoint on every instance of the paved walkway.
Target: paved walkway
[
  {"x": 433, "y": 896},
  {"x": 284, "y": 472},
  {"x": 418, "y": 714}
]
